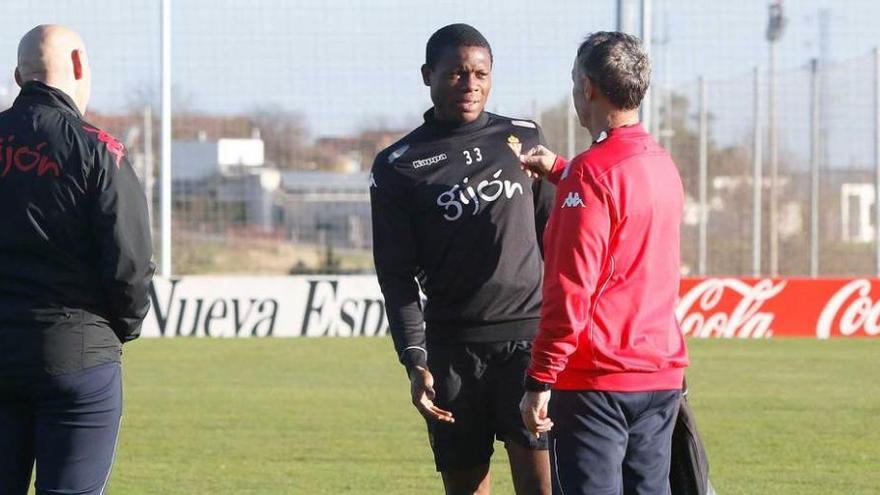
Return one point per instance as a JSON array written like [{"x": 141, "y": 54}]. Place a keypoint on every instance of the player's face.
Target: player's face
[{"x": 460, "y": 82}]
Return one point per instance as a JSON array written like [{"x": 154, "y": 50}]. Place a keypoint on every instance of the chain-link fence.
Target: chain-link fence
[
  {"x": 825, "y": 142},
  {"x": 278, "y": 109}
]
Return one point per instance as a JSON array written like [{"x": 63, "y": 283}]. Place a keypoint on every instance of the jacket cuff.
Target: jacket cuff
[
  {"x": 532, "y": 384},
  {"x": 414, "y": 356},
  {"x": 558, "y": 169}
]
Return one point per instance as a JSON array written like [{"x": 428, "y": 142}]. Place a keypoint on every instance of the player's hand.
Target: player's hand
[
  {"x": 533, "y": 408},
  {"x": 537, "y": 162},
  {"x": 422, "y": 388}
]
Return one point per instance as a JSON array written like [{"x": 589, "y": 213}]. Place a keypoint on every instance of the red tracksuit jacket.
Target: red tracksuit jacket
[{"x": 611, "y": 270}]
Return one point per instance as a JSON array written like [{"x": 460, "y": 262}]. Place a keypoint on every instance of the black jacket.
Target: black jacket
[
  {"x": 455, "y": 216},
  {"x": 75, "y": 248}
]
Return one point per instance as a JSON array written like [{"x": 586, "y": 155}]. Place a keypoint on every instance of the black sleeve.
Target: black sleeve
[
  {"x": 544, "y": 193},
  {"x": 394, "y": 254},
  {"x": 121, "y": 227}
]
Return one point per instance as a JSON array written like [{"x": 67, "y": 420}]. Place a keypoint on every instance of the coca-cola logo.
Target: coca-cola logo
[
  {"x": 706, "y": 310},
  {"x": 853, "y": 309}
]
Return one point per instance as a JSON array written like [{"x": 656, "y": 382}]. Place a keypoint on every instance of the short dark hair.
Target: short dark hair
[
  {"x": 618, "y": 64},
  {"x": 453, "y": 36}
]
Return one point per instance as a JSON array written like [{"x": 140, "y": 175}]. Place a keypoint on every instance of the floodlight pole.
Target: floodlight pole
[
  {"x": 628, "y": 16},
  {"x": 165, "y": 173},
  {"x": 635, "y": 17},
  {"x": 775, "y": 26}
]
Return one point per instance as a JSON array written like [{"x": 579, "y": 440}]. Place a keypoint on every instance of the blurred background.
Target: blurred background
[{"x": 278, "y": 108}]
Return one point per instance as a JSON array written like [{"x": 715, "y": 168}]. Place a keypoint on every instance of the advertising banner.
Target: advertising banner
[
  {"x": 224, "y": 306},
  {"x": 347, "y": 306},
  {"x": 793, "y": 307}
]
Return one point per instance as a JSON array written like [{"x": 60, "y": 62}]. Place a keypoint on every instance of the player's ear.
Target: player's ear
[
  {"x": 18, "y": 77},
  {"x": 76, "y": 58},
  {"x": 589, "y": 89},
  {"x": 426, "y": 74}
]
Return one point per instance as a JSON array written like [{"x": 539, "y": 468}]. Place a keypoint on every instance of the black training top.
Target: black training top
[
  {"x": 454, "y": 215},
  {"x": 75, "y": 243}
]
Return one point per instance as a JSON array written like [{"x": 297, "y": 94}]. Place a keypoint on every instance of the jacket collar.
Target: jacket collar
[
  {"x": 456, "y": 127},
  {"x": 630, "y": 130},
  {"x": 38, "y": 92}
]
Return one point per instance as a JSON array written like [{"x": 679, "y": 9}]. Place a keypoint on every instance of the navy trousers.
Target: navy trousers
[
  {"x": 67, "y": 424},
  {"x": 612, "y": 443}
]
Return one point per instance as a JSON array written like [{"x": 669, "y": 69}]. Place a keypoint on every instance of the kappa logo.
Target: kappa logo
[
  {"x": 424, "y": 162},
  {"x": 373, "y": 182},
  {"x": 573, "y": 200}
]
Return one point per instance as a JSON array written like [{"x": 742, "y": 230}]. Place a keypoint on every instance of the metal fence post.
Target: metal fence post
[
  {"x": 774, "y": 164},
  {"x": 876, "y": 157},
  {"x": 757, "y": 179},
  {"x": 647, "y": 111},
  {"x": 148, "y": 161},
  {"x": 703, "y": 178},
  {"x": 815, "y": 154}
]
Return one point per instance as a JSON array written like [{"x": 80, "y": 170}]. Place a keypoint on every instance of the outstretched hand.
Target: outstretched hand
[
  {"x": 422, "y": 389},
  {"x": 537, "y": 162}
]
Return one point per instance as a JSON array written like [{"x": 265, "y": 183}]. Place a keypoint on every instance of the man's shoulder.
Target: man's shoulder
[
  {"x": 60, "y": 129},
  {"x": 401, "y": 151},
  {"x": 604, "y": 161},
  {"x": 514, "y": 124},
  {"x": 92, "y": 133},
  {"x": 47, "y": 118},
  {"x": 98, "y": 139},
  {"x": 396, "y": 150}
]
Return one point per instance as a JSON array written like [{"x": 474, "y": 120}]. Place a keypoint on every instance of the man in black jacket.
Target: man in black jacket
[
  {"x": 454, "y": 216},
  {"x": 75, "y": 269}
]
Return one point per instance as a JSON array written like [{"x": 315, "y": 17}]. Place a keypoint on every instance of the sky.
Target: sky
[{"x": 348, "y": 64}]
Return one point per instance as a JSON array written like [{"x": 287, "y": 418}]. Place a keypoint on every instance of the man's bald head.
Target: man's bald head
[{"x": 55, "y": 55}]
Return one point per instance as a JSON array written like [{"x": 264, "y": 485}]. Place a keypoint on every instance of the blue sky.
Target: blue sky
[{"x": 345, "y": 64}]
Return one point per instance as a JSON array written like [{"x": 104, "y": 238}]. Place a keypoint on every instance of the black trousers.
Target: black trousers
[
  {"x": 612, "y": 443},
  {"x": 67, "y": 424}
]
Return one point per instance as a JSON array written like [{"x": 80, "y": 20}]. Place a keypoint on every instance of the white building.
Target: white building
[
  {"x": 229, "y": 172},
  {"x": 201, "y": 159}
]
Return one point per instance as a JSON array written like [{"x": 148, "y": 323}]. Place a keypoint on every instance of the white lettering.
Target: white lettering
[
  {"x": 863, "y": 313},
  {"x": 454, "y": 199},
  {"x": 698, "y": 317}
]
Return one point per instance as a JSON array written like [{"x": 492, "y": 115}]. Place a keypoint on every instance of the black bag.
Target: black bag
[{"x": 689, "y": 470}]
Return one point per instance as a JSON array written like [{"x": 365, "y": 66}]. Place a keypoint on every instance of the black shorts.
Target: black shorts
[{"x": 481, "y": 384}]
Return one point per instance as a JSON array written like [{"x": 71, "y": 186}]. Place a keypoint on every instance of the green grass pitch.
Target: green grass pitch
[{"x": 330, "y": 416}]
